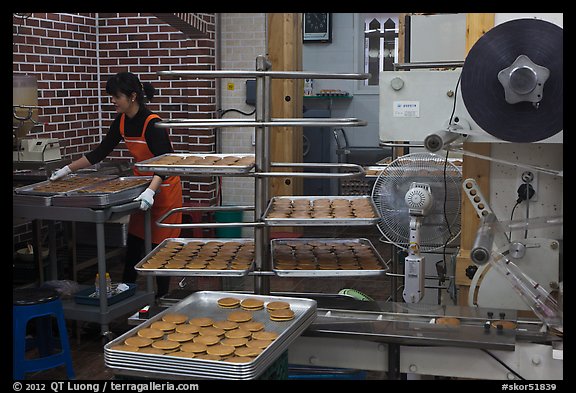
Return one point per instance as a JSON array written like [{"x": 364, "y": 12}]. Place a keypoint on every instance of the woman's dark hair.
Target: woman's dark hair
[{"x": 128, "y": 83}]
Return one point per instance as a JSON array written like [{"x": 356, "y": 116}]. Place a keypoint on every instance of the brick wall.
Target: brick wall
[{"x": 72, "y": 56}]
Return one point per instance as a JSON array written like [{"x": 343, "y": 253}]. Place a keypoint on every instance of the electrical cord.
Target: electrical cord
[
  {"x": 454, "y": 105},
  {"x": 525, "y": 192},
  {"x": 445, "y": 216},
  {"x": 445, "y": 183},
  {"x": 223, "y": 112},
  {"x": 503, "y": 364},
  {"x": 512, "y": 217}
]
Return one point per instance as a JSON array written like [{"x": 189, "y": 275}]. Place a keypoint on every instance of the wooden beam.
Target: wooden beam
[
  {"x": 476, "y": 26},
  {"x": 285, "y": 54}
]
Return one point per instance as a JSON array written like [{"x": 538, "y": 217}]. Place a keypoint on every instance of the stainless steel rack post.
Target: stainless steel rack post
[{"x": 262, "y": 171}]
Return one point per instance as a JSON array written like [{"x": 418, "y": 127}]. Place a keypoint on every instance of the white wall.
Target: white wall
[
  {"x": 242, "y": 40},
  {"x": 339, "y": 56}
]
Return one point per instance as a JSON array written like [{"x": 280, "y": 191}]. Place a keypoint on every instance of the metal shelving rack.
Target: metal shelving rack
[
  {"x": 262, "y": 123},
  {"x": 102, "y": 313}
]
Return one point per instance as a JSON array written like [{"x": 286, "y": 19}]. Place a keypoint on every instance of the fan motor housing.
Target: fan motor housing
[{"x": 419, "y": 199}]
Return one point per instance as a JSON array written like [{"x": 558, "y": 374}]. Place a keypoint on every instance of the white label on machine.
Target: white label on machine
[{"x": 406, "y": 109}]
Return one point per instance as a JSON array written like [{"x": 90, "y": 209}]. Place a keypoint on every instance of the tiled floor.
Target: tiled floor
[{"x": 86, "y": 342}]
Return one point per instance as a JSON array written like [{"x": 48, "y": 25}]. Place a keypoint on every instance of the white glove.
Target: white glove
[
  {"x": 146, "y": 199},
  {"x": 61, "y": 173}
]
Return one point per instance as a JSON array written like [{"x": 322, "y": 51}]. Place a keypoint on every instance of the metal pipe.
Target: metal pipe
[
  {"x": 484, "y": 241},
  {"x": 101, "y": 255},
  {"x": 426, "y": 277},
  {"x": 359, "y": 171},
  {"x": 218, "y": 65},
  {"x": 98, "y": 76},
  {"x": 440, "y": 140},
  {"x": 394, "y": 144},
  {"x": 191, "y": 123},
  {"x": 426, "y": 64},
  {"x": 264, "y": 73},
  {"x": 160, "y": 220},
  {"x": 262, "y": 159}
]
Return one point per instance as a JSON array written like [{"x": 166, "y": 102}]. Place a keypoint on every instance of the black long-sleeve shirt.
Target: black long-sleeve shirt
[{"x": 157, "y": 139}]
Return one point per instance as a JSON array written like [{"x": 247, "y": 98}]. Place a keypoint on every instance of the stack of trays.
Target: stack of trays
[
  {"x": 199, "y": 257},
  {"x": 205, "y": 305},
  {"x": 202, "y": 164},
  {"x": 106, "y": 193},
  {"x": 42, "y": 193},
  {"x": 317, "y": 257}
]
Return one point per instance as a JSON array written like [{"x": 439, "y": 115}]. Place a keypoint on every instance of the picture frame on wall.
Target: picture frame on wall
[{"x": 317, "y": 27}]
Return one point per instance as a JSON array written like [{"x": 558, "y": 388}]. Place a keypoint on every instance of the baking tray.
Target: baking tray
[
  {"x": 320, "y": 221},
  {"x": 149, "y": 165},
  {"x": 173, "y": 367},
  {"x": 162, "y": 365},
  {"x": 327, "y": 272},
  {"x": 34, "y": 200},
  {"x": 158, "y": 368},
  {"x": 204, "y": 303},
  {"x": 31, "y": 189},
  {"x": 193, "y": 272},
  {"x": 92, "y": 198}
]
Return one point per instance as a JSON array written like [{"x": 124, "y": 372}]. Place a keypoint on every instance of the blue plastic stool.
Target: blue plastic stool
[{"x": 39, "y": 304}]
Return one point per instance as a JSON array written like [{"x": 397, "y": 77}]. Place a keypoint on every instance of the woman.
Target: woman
[{"x": 135, "y": 124}]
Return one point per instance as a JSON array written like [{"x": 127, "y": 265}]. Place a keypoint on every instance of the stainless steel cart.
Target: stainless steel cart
[{"x": 104, "y": 313}]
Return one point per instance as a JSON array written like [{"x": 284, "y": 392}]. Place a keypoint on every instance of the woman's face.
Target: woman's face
[{"x": 122, "y": 102}]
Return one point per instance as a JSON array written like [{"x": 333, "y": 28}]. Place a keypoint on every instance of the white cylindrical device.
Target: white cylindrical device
[{"x": 440, "y": 140}]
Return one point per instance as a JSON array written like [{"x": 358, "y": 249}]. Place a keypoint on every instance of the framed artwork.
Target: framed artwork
[{"x": 317, "y": 27}]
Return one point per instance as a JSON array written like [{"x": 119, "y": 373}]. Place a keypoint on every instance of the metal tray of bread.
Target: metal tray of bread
[
  {"x": 67, "y": 184},
  {"x": 205, "y": 304},
  {"x": 199, "y": 257},
  {"x": 315, "y": 214},
  {"x": 33, "y": 200},
  {"x": 201, "y": 164},
  {"x": 106, "y": 193},
  {"x": 326, "y": 257}
]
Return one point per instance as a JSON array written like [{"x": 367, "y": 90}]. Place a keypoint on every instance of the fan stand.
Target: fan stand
[{"x": 414, "y": 265}]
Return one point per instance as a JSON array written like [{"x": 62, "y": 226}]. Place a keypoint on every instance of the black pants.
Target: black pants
[{"x": 134, "y": 254}]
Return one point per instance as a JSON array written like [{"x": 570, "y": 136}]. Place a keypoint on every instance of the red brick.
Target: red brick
[{"x": 61, "y": 51}]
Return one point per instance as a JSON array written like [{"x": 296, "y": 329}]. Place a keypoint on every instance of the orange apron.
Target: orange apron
[{"x": 168, "y": 197}]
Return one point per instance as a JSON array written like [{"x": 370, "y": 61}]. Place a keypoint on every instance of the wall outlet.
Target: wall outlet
[{"x": 523, "y": 175}]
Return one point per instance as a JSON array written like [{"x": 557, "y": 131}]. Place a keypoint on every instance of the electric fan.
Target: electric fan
[{"x": 418, "y": 198}]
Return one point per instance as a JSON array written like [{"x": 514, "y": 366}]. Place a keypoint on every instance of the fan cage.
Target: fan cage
[{"x": 441, "y": 225}]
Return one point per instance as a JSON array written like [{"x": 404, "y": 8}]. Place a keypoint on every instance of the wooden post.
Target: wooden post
[
  {"x": 479, "y": 169},
  {"x": 285, "y": 54}
]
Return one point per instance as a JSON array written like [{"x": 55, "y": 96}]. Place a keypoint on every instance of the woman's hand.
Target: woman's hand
[
  {"x": 60, "y": 173},
  {"x": 146, "y": 199}
]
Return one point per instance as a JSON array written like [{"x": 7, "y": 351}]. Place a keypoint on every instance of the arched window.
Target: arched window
[{"x": 380, "y": 44}]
